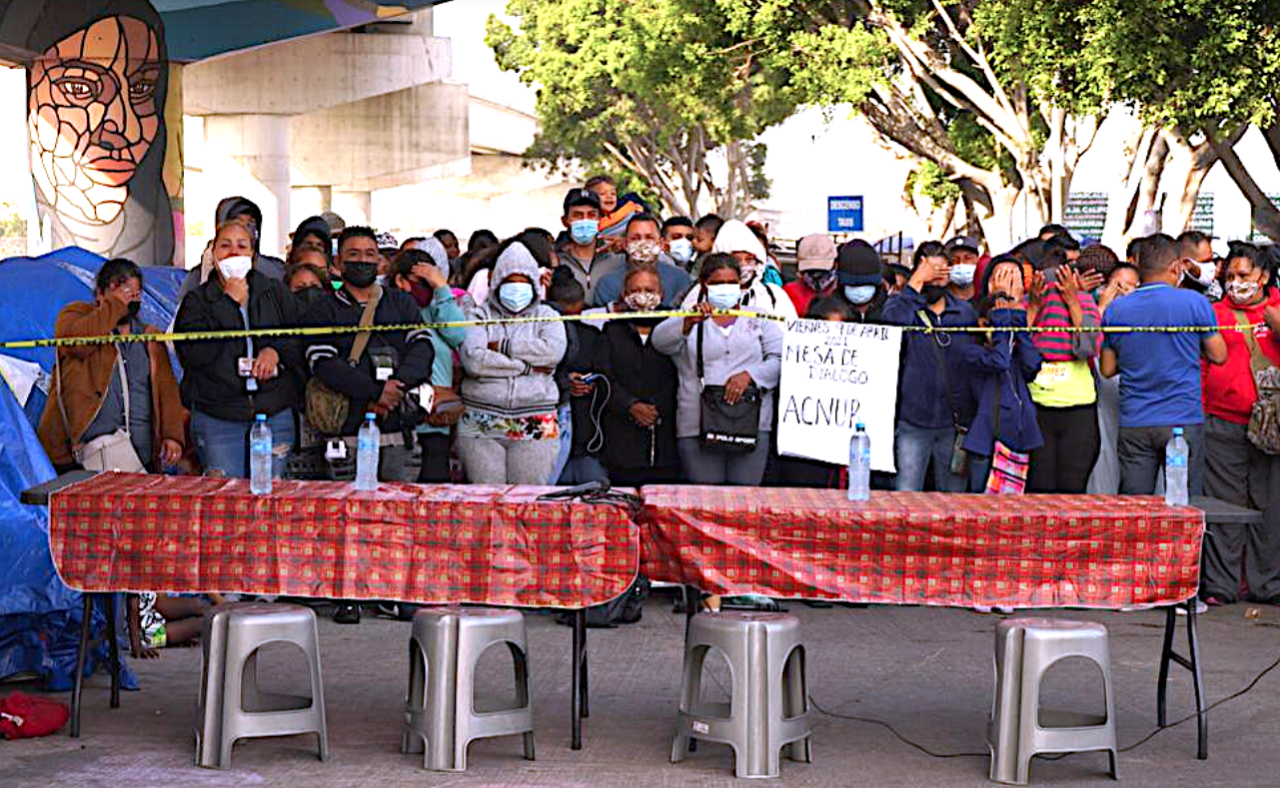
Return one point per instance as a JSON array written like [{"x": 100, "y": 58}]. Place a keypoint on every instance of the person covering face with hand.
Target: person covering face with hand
[
  {"x": 935, "y": 403},
  {"x": 87, "y": 400}
]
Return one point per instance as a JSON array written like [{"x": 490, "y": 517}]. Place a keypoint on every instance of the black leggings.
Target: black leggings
[
  {"x": 1071, "y": 445},
  {"x": 435, "y": 458}
]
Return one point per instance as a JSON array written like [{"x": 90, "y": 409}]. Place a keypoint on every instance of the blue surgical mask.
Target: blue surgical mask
[
  {"x": 724, "y": 296},
  {"x": 584, "y": 231},
  {"x": 516, "y": 296},
  {"x": 859, "y": 294},
  {"x": 962, "y": 274},
  {"x": 682, "y": 250}
]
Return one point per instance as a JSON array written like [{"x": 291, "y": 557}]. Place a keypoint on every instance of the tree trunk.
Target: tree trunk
[
  {"x": 1265, "y": 216},
  {"x": 993, "y": 209},
  {"x": 1185, "y": 173},
  {"x": 1139, "y": 212}
]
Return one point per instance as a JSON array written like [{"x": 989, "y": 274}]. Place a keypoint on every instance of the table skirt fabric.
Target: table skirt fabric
[{"x": 426, "y": 544}]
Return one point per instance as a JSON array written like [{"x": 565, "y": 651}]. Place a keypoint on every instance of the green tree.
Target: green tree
[
  {"x": 932, "y": 80},
  {"x": 658, "y": 90},
  {"x": 1200, "y": 73}
]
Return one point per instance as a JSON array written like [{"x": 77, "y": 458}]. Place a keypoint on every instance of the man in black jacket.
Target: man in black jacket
[{"x": 393, "y": 364}]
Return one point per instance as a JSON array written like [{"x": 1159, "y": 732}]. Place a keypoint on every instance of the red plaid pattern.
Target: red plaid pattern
[
  {"x": 924, "y": 548},
  {"x": 412, "y": 543}
]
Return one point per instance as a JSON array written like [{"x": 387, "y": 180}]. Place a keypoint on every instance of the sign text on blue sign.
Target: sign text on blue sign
[{"x": 844, "y": 214}]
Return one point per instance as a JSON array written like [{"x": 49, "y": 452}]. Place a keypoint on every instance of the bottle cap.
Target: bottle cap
[
  {"x": 370, "y": 416},
  {"x": 860, "y": 426},
  {"x": 260, "y": 417},
  {"x": 1177, "y": 431}
]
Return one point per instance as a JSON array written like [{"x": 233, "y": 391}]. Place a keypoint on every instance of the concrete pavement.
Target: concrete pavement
[{"x": 926, "y": 672}]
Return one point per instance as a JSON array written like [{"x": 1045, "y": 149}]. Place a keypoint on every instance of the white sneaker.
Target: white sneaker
[{"x": 1201, "y": 607}]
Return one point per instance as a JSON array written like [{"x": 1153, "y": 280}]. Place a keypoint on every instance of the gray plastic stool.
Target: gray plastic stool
[
  {"x": 440, "y": 715},
  {"x": 230, "y": 705},
  {"x": 768, "y": 706},
  {"x": 1025, "y": 648}
]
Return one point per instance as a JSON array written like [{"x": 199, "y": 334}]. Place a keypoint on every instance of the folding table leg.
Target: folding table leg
[
  {"x": 81, "y": 653},
  {"x": 113, "y": 649},
  {"x": 1197, "y": 681},
  {"x": 1166, "y": 655},
  {"x": 586, "y": 693},
  {"x": 575, "y": 691}
]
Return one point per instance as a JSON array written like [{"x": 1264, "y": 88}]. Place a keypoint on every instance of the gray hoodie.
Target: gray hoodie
[{"x": 503, "y": 381}]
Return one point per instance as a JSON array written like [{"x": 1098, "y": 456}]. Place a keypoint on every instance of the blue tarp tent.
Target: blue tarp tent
[{"x": 39, "y": 615}]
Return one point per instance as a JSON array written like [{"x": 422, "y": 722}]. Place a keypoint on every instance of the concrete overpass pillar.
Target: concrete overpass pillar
[
  {"x": 260, "y": 145},
  {"x": 355, "y": 207}
]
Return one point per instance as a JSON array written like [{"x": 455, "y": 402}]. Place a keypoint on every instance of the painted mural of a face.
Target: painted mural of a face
[
  {"x": 96, "y": 86},
  {"x": 94, "y": 114}
]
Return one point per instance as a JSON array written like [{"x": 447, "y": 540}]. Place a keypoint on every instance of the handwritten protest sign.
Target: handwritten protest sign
[{"x": 835, "y": 375}]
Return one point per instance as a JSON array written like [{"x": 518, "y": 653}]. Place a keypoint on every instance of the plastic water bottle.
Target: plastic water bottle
[
  {"x": 367, "y": 445},
  {"x": 260, "y": 456},
  {"x": 860, "y": 464},
  {"x": 1176, "y": 455}
]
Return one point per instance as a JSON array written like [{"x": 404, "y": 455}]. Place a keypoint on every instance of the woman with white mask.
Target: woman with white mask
[
  {"x": 1237, "y": 470},
  {"x": 227, "y": 382}
]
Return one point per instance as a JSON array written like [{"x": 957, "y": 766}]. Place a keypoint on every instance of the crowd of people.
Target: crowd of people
[{"x": 1045, "y": 399}]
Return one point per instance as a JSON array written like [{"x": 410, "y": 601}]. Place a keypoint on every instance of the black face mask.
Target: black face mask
[
  {"x": 933, "y": 292},
  {"x": 132, "y": 312},
  {"x": 309, "y": 295},
  {"x": 359, "y": 274}
]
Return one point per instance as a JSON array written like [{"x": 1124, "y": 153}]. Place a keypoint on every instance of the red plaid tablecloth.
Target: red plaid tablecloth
[
  {"x": 412, "y": 543},
  {"x": 924, "y": 548}
]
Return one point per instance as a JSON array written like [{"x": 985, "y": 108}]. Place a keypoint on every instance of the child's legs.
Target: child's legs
[{"x": 176, "y": 608}]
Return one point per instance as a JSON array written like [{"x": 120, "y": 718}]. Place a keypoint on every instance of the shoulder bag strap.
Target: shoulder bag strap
[
  {"x": 946, "y": 372},
  {"x": 366, "y": 320},
  {"x": 701, "y": 371},
  {"x": 1257, "y": 361},
  {"x": 124, "y": 386}
]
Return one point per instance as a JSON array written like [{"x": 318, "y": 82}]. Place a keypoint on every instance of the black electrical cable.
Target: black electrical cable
[{"x": 887, "y": 726}]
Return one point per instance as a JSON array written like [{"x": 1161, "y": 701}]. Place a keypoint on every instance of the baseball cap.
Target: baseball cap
[
  {"x": 816, "y": 252},
  {"x": 963, "y": 242},
  {"x": 581, "y": 197}
]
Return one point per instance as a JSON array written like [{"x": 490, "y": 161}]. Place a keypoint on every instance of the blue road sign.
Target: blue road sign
[{"x": 844, "y": 214}]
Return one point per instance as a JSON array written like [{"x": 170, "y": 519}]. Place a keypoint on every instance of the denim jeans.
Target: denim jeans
[
  {"x": 565, "y": 417},
  {"x": 580, "y": 470},
  {"x": 915, "y": 447},
  {"x": 1141, "y": 451},
  {"x": 224, "y": 445}
]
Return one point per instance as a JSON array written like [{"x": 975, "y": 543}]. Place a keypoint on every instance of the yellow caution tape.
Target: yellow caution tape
[{"x": 312, "y": 331}]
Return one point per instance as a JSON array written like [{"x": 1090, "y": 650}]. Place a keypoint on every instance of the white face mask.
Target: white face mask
[
  {"x": 642, "y": 301},
  {"x": 962, "y": 274},
  {"x": 1241, "y": 292},
  {"x": 724, "y": 296},
  {"x": 235, "y": 267},
  {"x": 643, "y": 251},
  {"x": 1206, "y": 276}
]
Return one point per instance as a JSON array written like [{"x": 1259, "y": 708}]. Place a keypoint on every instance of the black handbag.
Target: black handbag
[{"x": 724, "y": 427}]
